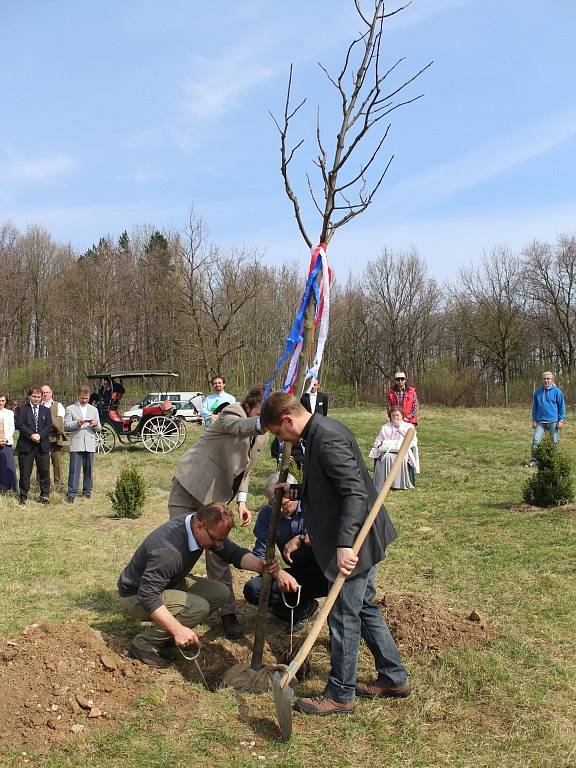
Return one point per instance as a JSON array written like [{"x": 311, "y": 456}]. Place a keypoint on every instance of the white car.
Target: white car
[{"x": 189, "y": 410}]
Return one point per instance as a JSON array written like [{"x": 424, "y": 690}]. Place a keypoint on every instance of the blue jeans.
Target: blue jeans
[
  {"x": 84, "y": 460},
  {"x": 356, "y": 615},
  {"x": 545, "y": 426}
]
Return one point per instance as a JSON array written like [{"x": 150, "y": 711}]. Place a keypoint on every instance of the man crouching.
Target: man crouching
[{"x": 156, "y": 584}]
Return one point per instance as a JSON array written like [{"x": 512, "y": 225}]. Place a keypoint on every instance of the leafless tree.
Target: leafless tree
[
  {"x": 551, "y": 285},
  {"x": 491, "y": 301},
  {"x": 349, "y": 165},
  {"x": 402, "y": 303}
]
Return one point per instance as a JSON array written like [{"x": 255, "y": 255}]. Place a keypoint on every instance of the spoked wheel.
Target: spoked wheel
[
  {"x": 182, "y": 430},
  {"x": 105, "y": 439},
  {"x": 161, "y": 434}
]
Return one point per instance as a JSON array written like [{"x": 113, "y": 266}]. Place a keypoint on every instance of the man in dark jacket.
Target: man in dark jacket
[
  {"x": 156, "y": 586},
  {"x": 337, "y": 494},
  {"x": 34, "y": 423},
  {"x": 315, "y": 401}
]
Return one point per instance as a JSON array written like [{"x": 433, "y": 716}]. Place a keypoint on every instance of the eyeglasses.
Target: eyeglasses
[
  {"x": 215, "y": 541},
  {"x": 401, "y": 378}
]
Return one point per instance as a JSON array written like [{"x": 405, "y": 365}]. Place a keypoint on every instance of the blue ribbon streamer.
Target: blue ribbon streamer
[{"x": 295, "y": 335}]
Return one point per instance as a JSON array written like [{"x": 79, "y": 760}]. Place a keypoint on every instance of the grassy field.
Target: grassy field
[{"x": 465, "y": 542}]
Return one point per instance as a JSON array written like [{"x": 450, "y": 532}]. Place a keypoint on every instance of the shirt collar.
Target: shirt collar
[{"x": 192, "y": 543}]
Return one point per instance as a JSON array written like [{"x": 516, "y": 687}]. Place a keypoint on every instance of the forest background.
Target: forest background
[{"x": 178, "y": 300}]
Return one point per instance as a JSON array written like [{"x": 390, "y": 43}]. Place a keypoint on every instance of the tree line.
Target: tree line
[{"x": 178, "y": 300}]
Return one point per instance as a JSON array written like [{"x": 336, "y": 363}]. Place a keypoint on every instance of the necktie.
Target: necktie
[{"x": 36, "y": 418}]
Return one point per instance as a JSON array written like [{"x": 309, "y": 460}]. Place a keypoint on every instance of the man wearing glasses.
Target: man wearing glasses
[
  {"x": 156, "y": 585},
  {"x": 404, "y": 397}
]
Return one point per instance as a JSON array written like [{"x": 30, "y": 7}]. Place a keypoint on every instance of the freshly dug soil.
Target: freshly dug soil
[
  {"x": 60, "y": 679},
  {"x": 418, "y": 624}
]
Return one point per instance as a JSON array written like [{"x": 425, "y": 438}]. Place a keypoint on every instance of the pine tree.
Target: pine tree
[
  {"x": 552, "y": 484},
  {"x": 129, "y": 494}
]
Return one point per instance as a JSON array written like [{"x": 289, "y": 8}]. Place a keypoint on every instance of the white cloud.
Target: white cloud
[
  {"x": 217, "y": 87},
  {"x": 485, "y": 162},
  {"x": 28, "y": 168},
  {"x": 145, "y": 174}
]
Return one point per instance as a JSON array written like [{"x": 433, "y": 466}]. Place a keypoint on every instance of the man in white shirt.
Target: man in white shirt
[
  {"x": 57, "y": 437},
  {"x": 82, "y": 421},
  {"x": 215, "y": 401},
  {"x": 315, "y": 401}
]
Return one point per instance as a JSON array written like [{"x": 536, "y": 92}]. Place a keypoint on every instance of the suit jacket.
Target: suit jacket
[
  {"x": 337, "y": 494},
  {"x": 218, "y": 464},
  {"x": 321, "y": 403},
  {"x": 81, "y": 438},
  {"x": 24, "y": 423}
]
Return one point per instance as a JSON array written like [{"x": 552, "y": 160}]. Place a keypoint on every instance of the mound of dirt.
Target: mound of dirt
[
  {"x": 419, "y": 624},
  {"x": 58, "y": 679}
]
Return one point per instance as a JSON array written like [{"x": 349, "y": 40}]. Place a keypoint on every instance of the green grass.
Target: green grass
[{"x": 465, "y": 542}]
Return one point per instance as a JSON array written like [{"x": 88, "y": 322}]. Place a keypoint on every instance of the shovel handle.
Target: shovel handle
[{"x": 296, "y": 663}]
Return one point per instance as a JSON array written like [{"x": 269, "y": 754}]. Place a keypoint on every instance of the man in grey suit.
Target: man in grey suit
[
  {"x": 217, "y": 468},
  {"x": 82, "y": 421},
  {"x": 337, "y": 494}
]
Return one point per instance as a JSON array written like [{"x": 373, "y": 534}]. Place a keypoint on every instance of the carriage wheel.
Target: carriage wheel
[
  {"x": 181, "y": 429},
  {"x": 105, "y": 439},
  {"x": 161, "y": 434}
]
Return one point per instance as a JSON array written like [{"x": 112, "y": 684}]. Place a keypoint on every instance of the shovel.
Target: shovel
[{"x": 283, "y": 693}]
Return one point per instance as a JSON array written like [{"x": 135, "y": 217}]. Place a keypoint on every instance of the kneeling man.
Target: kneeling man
[{"x": 156, "y": 584}]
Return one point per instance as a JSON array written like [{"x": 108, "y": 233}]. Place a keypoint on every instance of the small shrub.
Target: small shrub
[
  {"x": 552, "y": 484},
  {"x": 128, "y": 497}
]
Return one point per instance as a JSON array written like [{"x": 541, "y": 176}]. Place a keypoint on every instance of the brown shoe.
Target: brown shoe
[
  {"x": 150, "y": 658},
  {"x": 375, "y": 689},
  {"x": 322, "y": 705}
]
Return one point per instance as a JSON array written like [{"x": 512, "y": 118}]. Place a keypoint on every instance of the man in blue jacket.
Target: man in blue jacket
[{"x": 548, "y": 412}]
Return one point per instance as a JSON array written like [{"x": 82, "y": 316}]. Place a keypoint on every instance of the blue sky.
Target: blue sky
[{"x": 124, "y": 113}]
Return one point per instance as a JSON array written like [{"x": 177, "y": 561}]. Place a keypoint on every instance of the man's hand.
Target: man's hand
[
  {"x": 291, "y": 547},
  {"x": 286, "y": 582},
  {"x": 534, "y": 424},
  {"x": 93, "y": 423},
  {"x": 560, "y": 425},
  {"x": 347, "y": 560},
  {"x": 244, "y": 514},
  {"x": 273, "y": 568},
  {"x": 186, "y": 636},
  {"x": 35, "y": 437}
]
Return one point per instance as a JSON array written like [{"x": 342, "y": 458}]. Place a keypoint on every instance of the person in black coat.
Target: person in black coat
[
  {"x": 315, "y": 401},
  {"x": 34, "y": 424},
  {"x": 337, "y": 494}
]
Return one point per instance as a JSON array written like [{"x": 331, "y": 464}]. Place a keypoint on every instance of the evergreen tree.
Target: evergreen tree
[{"x": 552, "y": 484}]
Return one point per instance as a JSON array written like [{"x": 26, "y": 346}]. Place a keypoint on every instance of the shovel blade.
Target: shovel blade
[{"x": 283, "y": 700}]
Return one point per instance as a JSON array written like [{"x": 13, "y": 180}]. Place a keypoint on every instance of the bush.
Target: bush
[
  {"x": 128, "y": 497},
  {"x": 552, "y": 484}
]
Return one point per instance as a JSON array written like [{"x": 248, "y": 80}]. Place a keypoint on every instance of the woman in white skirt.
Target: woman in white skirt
[
  {"x": 384, "y": 451},
  {"x": 7, "y": 465}
]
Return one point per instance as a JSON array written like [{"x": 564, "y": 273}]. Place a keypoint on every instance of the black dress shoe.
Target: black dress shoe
[
  {"x": 43, "y": 500},
  {"x": 22, "y": 500},
  {"x": 148, "y": 657},
  {"x": 231, "y": 625}
]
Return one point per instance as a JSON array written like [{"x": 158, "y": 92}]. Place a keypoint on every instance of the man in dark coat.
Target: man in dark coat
[
  {"x": 315, "y": 401},
  {"x": 337, "y": 494},
  {"x": 34, "y": 424}
]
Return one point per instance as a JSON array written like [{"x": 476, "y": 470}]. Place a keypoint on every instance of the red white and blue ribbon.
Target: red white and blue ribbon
[{"x": 318, "y": 282}]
